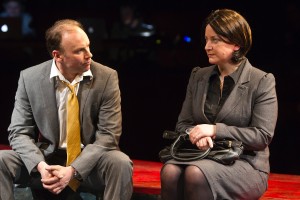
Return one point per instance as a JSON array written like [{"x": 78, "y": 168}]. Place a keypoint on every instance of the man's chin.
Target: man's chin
[{"x": 87, "y": 68}]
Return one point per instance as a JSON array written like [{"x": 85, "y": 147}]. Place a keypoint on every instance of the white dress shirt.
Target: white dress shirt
[{"x": 62, "y": 92}]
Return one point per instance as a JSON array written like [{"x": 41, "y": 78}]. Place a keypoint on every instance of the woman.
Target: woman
[{"x": 229, "y": 99}]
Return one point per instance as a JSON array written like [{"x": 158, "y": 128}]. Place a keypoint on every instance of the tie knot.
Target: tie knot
[{"x": 71, "y": 87}]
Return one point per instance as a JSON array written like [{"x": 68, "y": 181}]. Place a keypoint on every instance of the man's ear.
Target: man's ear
[{"x": 56, "y": 55}]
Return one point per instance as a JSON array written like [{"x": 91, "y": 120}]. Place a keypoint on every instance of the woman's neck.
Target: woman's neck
[{"x": 225, "y": 70}]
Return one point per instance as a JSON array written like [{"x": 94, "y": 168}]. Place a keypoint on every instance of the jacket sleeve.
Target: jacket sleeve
[
  {"x": 260, "y": 131},
  {"x": 22, "y": 129},
  {"x": 186, "y": 118}
]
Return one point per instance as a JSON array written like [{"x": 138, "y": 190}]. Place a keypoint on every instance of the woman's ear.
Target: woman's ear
[{"x": 236, "y": 48}]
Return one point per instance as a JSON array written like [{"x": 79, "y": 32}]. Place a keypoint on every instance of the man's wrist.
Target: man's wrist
[
  {"x": 40, "y": 166},
  {"x": 76, "y": 175}
]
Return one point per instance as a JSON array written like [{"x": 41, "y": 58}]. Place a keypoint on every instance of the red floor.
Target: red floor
[
  {"x": 283, "y": 186},
  {"x": 146, "y": 179}
]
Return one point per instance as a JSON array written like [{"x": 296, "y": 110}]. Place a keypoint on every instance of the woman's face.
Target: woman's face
[{"x": 218, "y": 51}]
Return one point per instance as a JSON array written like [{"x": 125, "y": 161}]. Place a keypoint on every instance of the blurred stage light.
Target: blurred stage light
[{"x": 187, "y": 39}]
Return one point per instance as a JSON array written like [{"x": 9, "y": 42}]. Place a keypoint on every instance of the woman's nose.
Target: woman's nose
[{"x": 208, "y": 46}]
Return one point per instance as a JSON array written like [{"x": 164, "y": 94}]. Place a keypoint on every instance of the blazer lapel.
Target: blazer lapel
[
  {"x": 236, "y": 94},
  {"x": 47, "y": 89},
  {"x": 83, "y": 92},
  {"x": 201, "y": 93}
]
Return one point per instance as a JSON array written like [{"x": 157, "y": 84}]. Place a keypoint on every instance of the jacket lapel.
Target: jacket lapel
[
  {"x": 83, "y": 92},
  {"x": 239, "y": 90},
  {"x": 201, "y": 92},
  {"x": 47, "y": 89}
]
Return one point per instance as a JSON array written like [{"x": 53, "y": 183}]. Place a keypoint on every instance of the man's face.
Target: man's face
[{"x": 74, "y": 56}]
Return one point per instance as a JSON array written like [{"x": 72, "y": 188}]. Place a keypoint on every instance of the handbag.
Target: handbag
[{"x": 224, "y": 151}]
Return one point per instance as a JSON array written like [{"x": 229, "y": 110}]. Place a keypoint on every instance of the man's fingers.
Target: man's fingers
[
  {"x": 52, "y": 167},
  {"x": 49, "y": 181},
  {"x": 55, "y": 170}
]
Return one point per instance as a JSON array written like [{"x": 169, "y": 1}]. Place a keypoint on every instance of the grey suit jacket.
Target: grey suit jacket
[
  {"x": 34, "y": 128},
  {"x": 249, "y": 114}
]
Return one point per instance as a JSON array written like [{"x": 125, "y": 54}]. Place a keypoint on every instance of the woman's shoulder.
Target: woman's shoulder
[
  {"x": 255, "y": 76},
  {"x": 202, "y": 71},
  {"x": 257, "y": 73},
  {"x": 199, "y": 69}
]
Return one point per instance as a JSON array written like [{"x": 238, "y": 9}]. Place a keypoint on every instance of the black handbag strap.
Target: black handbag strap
[{"x": 178, "y": 142}]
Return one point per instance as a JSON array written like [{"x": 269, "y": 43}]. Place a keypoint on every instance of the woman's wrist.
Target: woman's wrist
[{"x": 214, "y": 127}]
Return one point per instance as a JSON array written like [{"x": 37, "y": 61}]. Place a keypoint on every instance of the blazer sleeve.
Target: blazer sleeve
[
  {"x": 186, "y": 117},
  {"x": 110, "y": 117},
  {"x": 22, "y": 129},
  {"x": 264, "y": 111}
]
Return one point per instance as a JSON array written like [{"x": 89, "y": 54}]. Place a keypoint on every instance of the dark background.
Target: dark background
[{"x": 154, "y": 80}]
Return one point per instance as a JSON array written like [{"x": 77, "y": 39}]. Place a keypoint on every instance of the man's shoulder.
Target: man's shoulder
[
  {"x": 39, "y": 67},
  {"x": 37, "y": 72}
]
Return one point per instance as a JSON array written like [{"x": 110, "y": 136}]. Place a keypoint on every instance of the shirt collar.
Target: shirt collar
[
  {"x": 235, "y": 75},
  {"x": 56, "y": 73}
]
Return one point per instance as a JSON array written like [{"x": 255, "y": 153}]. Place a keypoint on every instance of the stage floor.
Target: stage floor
[{"x": 146, "y": 180}]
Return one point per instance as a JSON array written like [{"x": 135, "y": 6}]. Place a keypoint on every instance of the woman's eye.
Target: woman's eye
[{"x": 215, "y": 40}]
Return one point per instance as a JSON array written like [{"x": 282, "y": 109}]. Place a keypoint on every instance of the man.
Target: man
[{"x": 39, "y": 123}]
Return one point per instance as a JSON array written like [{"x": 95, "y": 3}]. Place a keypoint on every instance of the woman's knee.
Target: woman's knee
[
  {"x": 193, "y": 175},
  {"x": 170, "y": 172}
]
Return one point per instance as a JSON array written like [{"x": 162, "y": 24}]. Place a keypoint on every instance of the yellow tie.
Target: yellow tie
[{"x": 73, "y": 131}]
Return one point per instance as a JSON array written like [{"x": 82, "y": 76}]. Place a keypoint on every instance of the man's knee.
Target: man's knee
[
  {"x": 119, "y": 160},
  {"x": 4, "y": 158},
  {"x": 12, "y": 165}
]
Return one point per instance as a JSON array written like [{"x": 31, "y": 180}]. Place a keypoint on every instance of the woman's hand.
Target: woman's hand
[
  {"x": 202, "y": 131},
  {"x": 205, "y": 143}
]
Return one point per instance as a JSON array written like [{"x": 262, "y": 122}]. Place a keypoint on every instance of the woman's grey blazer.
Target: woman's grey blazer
[{"x": 249, "y": 114}]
